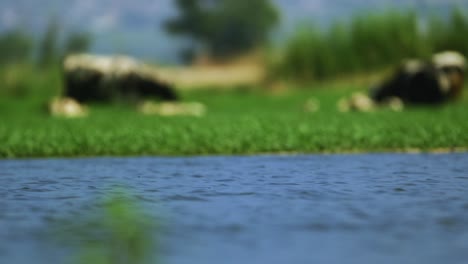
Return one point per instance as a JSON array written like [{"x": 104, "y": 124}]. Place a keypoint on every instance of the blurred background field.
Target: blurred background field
[{"x": 253, "y": 70}]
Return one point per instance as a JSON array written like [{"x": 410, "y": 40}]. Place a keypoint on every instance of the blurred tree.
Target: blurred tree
[
  {"x": 224, "y": 28},
  {"x": 15, "y": 46},
  {"x": 48, "y": 50},
  {"x": 77, "y": 42}
]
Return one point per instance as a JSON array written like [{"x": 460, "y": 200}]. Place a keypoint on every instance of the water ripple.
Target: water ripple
[{"x": 370, "y": 208}]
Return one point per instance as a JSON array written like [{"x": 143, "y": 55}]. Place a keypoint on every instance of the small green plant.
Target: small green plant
[{"x": 121, "y": 234}]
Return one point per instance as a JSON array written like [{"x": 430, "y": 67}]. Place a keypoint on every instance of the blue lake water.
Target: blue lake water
[{"x": 366, "y": 208}]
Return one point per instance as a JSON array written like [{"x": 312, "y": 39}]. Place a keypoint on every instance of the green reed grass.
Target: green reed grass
[
  {"x": 114, "y": 230},
  {"x": 368, "y": 42}
]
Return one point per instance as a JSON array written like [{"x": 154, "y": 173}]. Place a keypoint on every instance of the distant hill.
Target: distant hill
[{"x": 134, "y": 27}]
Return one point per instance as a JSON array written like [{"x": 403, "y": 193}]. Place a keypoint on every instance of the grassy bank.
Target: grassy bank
[{"x": 237, "y": 122}]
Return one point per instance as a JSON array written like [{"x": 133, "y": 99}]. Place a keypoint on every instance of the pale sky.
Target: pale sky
[{"x": 134, "y": 26}]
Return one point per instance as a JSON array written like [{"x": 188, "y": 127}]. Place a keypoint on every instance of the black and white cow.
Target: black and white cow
[
  {"x": 106, "y": 78},
  {"x": 425, "y": 82}
]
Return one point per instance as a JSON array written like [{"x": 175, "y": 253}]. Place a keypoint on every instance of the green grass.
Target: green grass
[{"x": 237, "y": 122}]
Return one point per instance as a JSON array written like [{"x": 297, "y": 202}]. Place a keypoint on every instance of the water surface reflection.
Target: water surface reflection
[{"x": 380, "y": 208}]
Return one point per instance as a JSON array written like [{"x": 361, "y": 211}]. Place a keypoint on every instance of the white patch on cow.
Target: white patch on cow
[
  {"x": 443, "y": 60},
  {"x": 357, "y": 102},
  {"x": 413, "y": 66},
  {"x": 114, "y": 65},
  {"x": 444, "y": 83},
  {"x": 449, "y": 59},
  {"x": 66, "y": 107}
]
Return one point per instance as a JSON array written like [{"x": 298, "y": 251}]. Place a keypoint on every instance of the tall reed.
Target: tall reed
[{"x": 369, "y": 42}]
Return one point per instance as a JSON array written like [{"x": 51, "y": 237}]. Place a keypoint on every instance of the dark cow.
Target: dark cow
[
  {"x": 425, "y": 82},
  {"x": 106, "y": 78}
]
